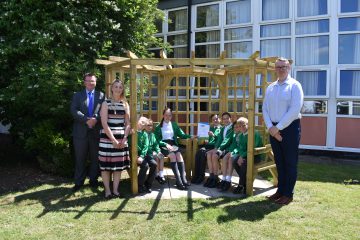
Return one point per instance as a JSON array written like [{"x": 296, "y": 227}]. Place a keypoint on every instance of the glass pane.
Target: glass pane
[
  {"x": 182, "y": 106},
  {"x": 230, "y": 107},
  {"x": 312, "y": 82},
  {"x": 155, "y": 53},
  {"x": 275, "y": 9},
  {"x": 310, "y": 27},
  {"x": 314, "y": 107},
  {"x": 215, "y": 107},
  {"x": 238, "y": 12},
  {"x": 178, "y": 20},
  {"x": 349, "y": 48},
  {"x": 307, "y": 8},
  {"x": 211, "y": 36},
  {"x": 239, "y": 50},
  {"x": 349, "y": 24},
  {"x": 238, "y": 33},
  {"x": 312, "y": 51},
  {"x": 350, "y": 82},
  {"x": 207, "y": 51},
  {"x": 178, "y": 52},
  {"x": 207, "y": 16},
  {"x": 275, "y": 30},
  {"x": 174, "y": 40},
  {"x": 158, "y": 24},
  {"x": 154, "y": 105},
  {"x": 348, "y": 107},
  {"x": 276, "y": 47},
  {"x": 350, "y": 6}
]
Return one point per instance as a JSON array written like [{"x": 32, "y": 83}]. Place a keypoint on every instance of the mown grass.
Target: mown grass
[{"x": 323, "y": 208}]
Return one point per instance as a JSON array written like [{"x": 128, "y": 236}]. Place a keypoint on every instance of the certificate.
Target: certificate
[{"x": 203, "y": 129}]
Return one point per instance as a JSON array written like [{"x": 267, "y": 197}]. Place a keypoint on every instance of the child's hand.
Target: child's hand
[
  {"x": 240, "y": 161},
  {"x": 211, "y": 134},
  {"x": 140, "y": 160}
]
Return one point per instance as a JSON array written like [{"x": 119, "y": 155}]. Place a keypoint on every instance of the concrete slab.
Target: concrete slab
[{"x": 169, "y": 191}]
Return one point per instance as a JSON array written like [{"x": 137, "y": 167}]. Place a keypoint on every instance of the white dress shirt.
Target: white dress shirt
[
  {"x": 283, "y": 103},
  {"x": 167, "y": 131}
]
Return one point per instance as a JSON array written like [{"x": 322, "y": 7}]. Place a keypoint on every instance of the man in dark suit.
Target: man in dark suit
[{"x": 85, "y": 109}]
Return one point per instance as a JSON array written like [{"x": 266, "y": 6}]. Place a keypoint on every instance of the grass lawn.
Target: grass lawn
[{"x": 323, "y": 208}]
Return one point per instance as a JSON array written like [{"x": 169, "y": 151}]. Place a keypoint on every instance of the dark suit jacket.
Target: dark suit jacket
[{"x": 79, "y": 111}]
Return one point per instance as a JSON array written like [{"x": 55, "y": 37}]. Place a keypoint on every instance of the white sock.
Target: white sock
[
  {"x": 228, "y": 178},
  {"x": 161, "y": 173}
]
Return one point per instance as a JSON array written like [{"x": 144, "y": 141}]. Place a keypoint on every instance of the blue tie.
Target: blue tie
[{"x": 91, "y": 104}]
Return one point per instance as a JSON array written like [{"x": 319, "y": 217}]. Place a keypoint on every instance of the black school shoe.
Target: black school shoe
[
  {"x": 239, "y": 190},
  {"x": 207, "y": 182},
  {"x": 225, "y": 187},
  {"x": 214, "y": 182}
]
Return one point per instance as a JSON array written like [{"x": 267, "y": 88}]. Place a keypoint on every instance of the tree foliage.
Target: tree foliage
[{"x": 46, "y": 47}]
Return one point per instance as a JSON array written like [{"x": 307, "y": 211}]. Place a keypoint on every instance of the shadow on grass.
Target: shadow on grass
[
  {"x": 249, "y": 211},
  {"x": 62, "y": 199}
]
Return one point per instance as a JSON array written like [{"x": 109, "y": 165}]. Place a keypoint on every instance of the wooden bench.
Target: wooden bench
[{"x": 267, "y": 164}]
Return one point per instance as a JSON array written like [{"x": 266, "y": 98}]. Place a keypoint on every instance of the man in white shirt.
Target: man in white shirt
[{"x": 281, "y": 112}]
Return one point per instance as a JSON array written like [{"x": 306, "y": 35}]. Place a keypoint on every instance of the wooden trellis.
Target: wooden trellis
[{"x": 194, "y": 92}]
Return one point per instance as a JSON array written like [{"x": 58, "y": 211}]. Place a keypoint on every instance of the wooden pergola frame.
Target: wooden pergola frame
[{"x": 220, "y": 69}]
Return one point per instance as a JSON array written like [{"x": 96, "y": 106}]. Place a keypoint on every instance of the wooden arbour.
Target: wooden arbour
[{"x": 196, "y": 88}]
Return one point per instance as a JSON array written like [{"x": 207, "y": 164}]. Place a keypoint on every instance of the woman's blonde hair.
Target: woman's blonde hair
[{"x": 123, "y": 94}]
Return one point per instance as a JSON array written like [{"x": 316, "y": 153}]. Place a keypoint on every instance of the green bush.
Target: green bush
[{"x": 45, "y": 48}]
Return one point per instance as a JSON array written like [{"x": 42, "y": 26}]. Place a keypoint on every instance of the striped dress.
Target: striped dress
[{"x": 110, "y": 158}]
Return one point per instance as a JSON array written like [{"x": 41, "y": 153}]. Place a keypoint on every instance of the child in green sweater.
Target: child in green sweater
[
  {"x": 200, "y": 157},
  {"x": 144, "y": 160},
  {"x": 239, "y": 158},
  {"x": 155, "y": 152}
]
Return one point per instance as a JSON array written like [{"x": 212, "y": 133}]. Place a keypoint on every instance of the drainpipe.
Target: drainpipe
[{"x": 189, "y": 29}]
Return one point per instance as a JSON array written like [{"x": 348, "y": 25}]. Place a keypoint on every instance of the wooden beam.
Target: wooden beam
[
  {"x": 103, "y": 62},
  {"x": 133, "y": 121},
  {"x": 196, "y": 61},
  {"x": 163, "y": 56}
]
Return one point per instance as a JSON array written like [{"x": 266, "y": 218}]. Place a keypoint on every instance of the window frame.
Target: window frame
[{"x": 342, "y": 97}]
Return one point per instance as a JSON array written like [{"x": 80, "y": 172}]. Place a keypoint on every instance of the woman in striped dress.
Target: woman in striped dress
[{"x": 113, "y": 148}]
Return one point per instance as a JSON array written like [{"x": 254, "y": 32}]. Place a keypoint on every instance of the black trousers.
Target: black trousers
[
  {"x": 148, "y": 163},
  {"x": 84, "y": 148},
  {"x": 286, "y": 155},
  {"x": 200, "y": 161}
]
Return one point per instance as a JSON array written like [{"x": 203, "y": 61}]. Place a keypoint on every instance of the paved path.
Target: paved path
[{"x": 169, "y": 190}]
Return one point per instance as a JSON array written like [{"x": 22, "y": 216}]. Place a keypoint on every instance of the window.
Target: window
[
  {"x": 275, "y": 9},
  {"x": 275, "y": 30},
  {"x": 306, "y": 8},
  {"x": 207, "y": 44},
  {"x": 350, "y": 6},
  {"x": 178, "y": 20},
  {"x": 348, "y": 107},
  {"x": 275, "y": 40},
  {"x": 349, "y": 48},
  {"x": 312, "y": 27},
  {"x": 238, "y": 12},
  {"x": 314, "y": 107},
  {"x": 274, "y": 47},
  {"x": 178, "y": 45},
  {"x": 349, "y": 24},
  {"x": 313, "y": 82},
  {"x": 312, "y": 50},
  {"x": 236, "y": 48},
  {"x": 207, "y": 16},
  {"x": 350, "y": 83}
]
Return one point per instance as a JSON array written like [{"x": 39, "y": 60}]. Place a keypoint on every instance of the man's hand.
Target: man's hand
[
  {"x": 91, "y": 122},
  {"x": 273, "y": 131},
  {"x": 278, "y": 137}
]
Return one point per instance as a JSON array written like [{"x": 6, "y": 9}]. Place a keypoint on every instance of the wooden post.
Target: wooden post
[
  {"x": 251, "y": 131},
  {"x": 133, "y": 121}
]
